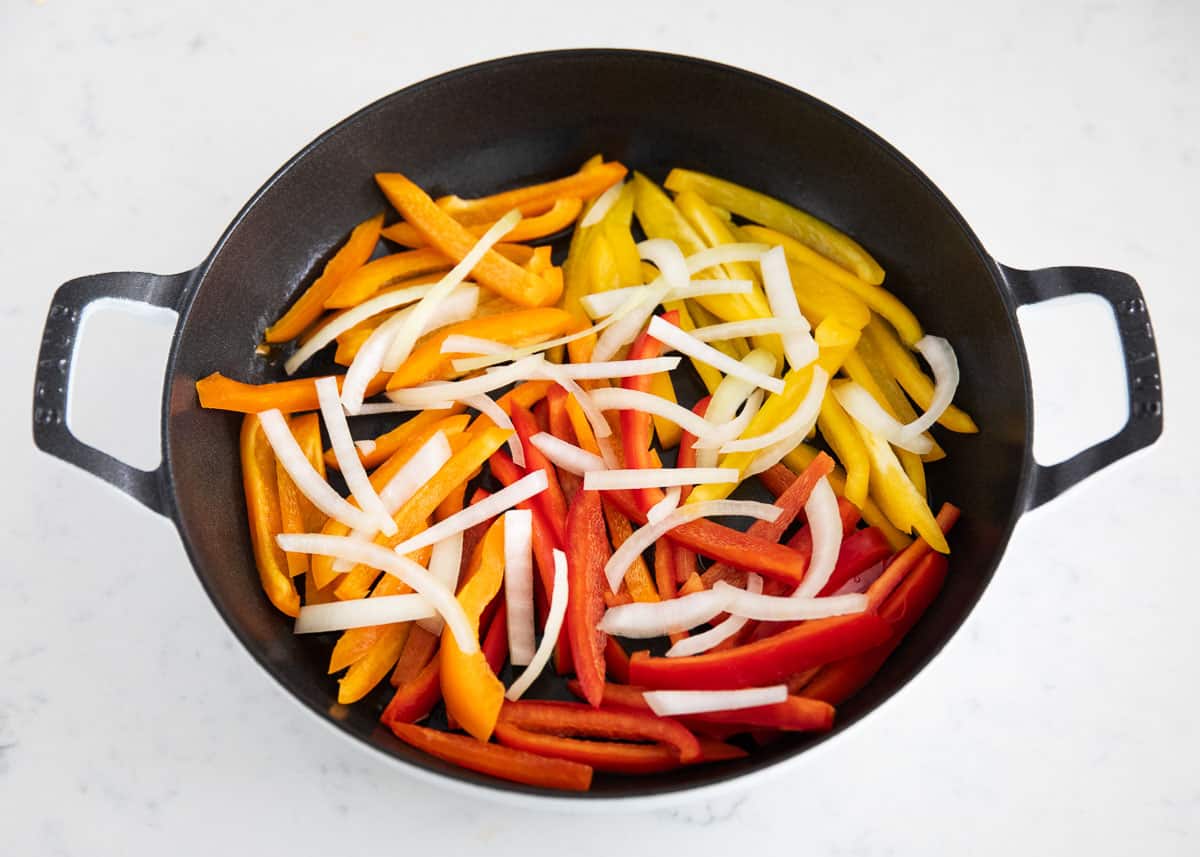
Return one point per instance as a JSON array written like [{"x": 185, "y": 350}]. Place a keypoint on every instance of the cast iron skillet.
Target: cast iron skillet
[{"x": 538, "y": 116}]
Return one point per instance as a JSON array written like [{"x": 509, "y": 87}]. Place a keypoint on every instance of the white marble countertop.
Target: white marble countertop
[{"x": 1059, "y": 720}]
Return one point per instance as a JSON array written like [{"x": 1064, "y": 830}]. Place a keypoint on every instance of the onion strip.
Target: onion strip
[
  {"x": 749, "y": 327},
  {"x": 600, "y": 427},
  {"x": 800, "y": 348},
  {"x": 657, "y": 477},
  {"x": 439, "y": 391},
  {"x": 601, "y": 206},
  {"x": 785, "y": 608},
  {"x": 723, "y": 254},
  {"x": 348, "y": 461},
  {"x": 601, "y": 304},
  {"x": 668, "y": 504},
  {"x": 798, "y": 422},
  {"x": 518, "y": 584},
  {"x": 940, "y": 356},
  {"x": 620, "y": 399},
  {"x": 487, "y": 406},
  {"x": 825, "y": 524},
  {"x": 445, "y": 563},
  {"x": 642, "y": 620},
  {"x": 676, "y": 703},
  {"x": 702, "y": 642},
  {"x": 566, "y": 456},
  {"x": 861, "y": 405},
  {"x": 363, "y": 613},
  {"x": 554, "y": 623},
  {"x": 682, "y": 341}
]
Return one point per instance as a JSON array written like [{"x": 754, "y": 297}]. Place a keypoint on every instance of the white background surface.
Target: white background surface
[{"x": 1061, "y": 719}]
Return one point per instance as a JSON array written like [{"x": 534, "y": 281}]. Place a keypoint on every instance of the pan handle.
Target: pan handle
[
  {"x": 52, "y": 382},
  {"x": 1144, "y": 424}
]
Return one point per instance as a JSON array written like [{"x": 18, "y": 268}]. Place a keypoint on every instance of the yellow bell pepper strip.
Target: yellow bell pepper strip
[
  {"x": 411, "y": 434},
  {"x": 915, "y": 382},
  {"x": 752, "y": 205},
  {"x": 375, "y": 275},
  {"x": 450, "y": 237},
  {"x": 619, "y": 236},
  {"x": 879, "y": 299},
  {"x": 667, "y": 431},
  {"x": 410, "y": 518},
  {"x": 802, "y": 456},
  {"x": 710, "y": 376},
  {"x": 835, "y": 341},
  {"x": 865, "y": 368},
  {"x": 520, "y": 328},
  {"x": 560, "y": 215},
  {"x": 638, "y": 579},
  {"x": 471, "y": 690},
  {"x": 224, "y": 394},
  {"x": 660, "y": 218},
  {"x": 365, "y": 673},
  {"x": 820, "y": 299},
  {"x": 352, "y": 255},
  {"x": 600, "y": 264},
  {"x": 892, "y": 489},
  {"x": 777, "y": 408},
  {"x": 262, "y": 509},
  {"x": 837, "y": 427},
  {"x": 590, "y": 181}
]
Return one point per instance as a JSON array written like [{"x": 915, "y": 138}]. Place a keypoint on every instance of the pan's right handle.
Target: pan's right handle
[
  {"x": 1141, "y": 368},
  {"x": 52, "y": 382}
]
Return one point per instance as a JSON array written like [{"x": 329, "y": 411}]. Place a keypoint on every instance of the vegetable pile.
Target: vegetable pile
[{"x": 545, "y": 500}]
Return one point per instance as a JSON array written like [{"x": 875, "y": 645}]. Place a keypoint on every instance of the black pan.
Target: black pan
[{"x": 538, "y": 116}]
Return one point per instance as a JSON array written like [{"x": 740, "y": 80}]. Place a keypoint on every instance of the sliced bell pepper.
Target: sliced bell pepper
[
  {"x": 904, "y": 562},
  {"x": 494, "y": 760},
  {"x": 575, "y": 719},
  {"x": 450, "y": 237},
  {"x": 366, "y": 672},
  {"x": 635, "y": 425},
  {"x": 297, "y": 513},
  {"x": 821, "y": 299},
  {"x": 865, "y": 367},
  {"x": 495, "y": 642},
  {"x": 590, "y": 181},
  {"x": 838, "y": 681},
  {"x": 262, "y": 509},
  {"x": 616, "y": 662},
  {"x": 638, "y": 579},
  {"x": 619, "y": 237},
  {"x": 471, "y": 690},
  {"x": 668, "y": 433},
  {"x": 587, "y": 552},
  {"x": 835, "y": 340},
  {"x": 410, "y": 435},
  {"x": 418, "y": 651},
  {"x": 861, "y": 550},
  {"x": 414, "y": 699},
  {"x": 526, "y": 394},
  {"x": 308, "y": 308},
  {"x": 551, "y": 501},
  {"x": 560, "y": 426},
  {"x": 752, "y": 205},
  {"x": 896, "y": 494},
  {"x": 364, "y": 282},
  {"x": 224, "y": 394},
  {"x": 763, "y": 662},
  {"x": 558, "y": 217},
  {"x": 916, "y": 383},
  {"x": 837, "y": 428},
  {"x": 611, "y": 756},
  {"x": 879, "y": 299},
  {"x": 660, "y": 218},
  {"x": 518, "y": 329}
]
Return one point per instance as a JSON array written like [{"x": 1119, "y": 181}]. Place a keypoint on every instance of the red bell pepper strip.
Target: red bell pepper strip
[
  {"x": 495, "y": 643},
  {"x": 419, "y": 649},
  {"x": 611, "y": 756},
  {"x": 551, "y": 501},
  {"x": 665, "y": 567},
  {"x": 763, "y": 662},
  {"x": 414, "y": 700},
  {"x": 636, "y": 427},
  {"x": 685, "y": 557},
  {"x": 860, "y": 551},
  {"x": 502, "y": 762},
  {"x": 724, "y": 544},
  {"x": 573, "y": 719},
  {"x": 840, "y": 680},
  {"x": 560, "y": 427},
  {"x": 587, "y": 552},
  {"x": 777, "y": 478},
  {"x": 616, "y": 662},
  {"x": 904, "y": 562}
]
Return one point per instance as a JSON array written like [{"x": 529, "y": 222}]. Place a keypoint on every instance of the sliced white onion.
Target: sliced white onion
[
  {"x": 503, "y": 500},
  {"x": 630, "y": 320},
  {"x": 618, "y": 368},
  {"x": 368, "y": 362},
  {"x": 643, "y": 537},
  {"x": 702, "y": 642},
  {"x": 409, "y": 572},
  {"x": 338, "y": 325},
  {"x": 675, "y": 703},
  {"x": 668, "y": 504},
  {"x": 348, "y": 461},
  {"x": 601, "y": 304},
  {"x": 410, "y": 329},
  {"x": 724, "y": 404},
  {"x": 363, "y": 613},
  {"x": 657, "y": 477},
  {"x": 566, "y": 456},
  {"x": 940, "y": 356},
  {"x": 620, "y": 399},
  {"x": 319, "y": 492},
  {"x": 458, "y": 344},
  {"x": 799, "y": 421},
  {"x": 518, "y": 584},
  {"x": 679, "y": 339},
  {"x": 439, "y": 391},
  {"x": 723, "y": 254},
  {"x": 554, "y": 372},
  {"x": 488, "y": 407},
  {"x": 418, "y": 470},
  {"x": 601, "y": 206},
  {"x": 445, "y": 563},
  {"x": 554, "y": 623},
  {"x": 861, "y": 405},
  {"x": 787, "y": 608},
  {"x": 668, "y": 258},
  {"x": 825, "y": 523},
  {"x": 642, "y": 620},
  {"x": 707, "y": 448},
  {"x": 749, "y": 327},
  {"x": 365, "y": 447},
  {"x": 800, "y": 348}
]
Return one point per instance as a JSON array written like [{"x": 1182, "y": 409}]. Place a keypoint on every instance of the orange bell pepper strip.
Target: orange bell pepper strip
[
  {"x": 471, "y": 690},
  {"x": 351, "y": 256},
  {"x": 450, "y": 237},
  {"x": 418, "y": 651},
  {"x": 300, "y": 394},
  {"x": 576, "y": 720},
  {"x": 297, "y": 513},
  {"x": 291, "y": 518},
  {"x": 262, "y": 509},
  {"x": 520, "y": 328},
  {"x": 590, "y": 181},
  {"x": 587, "y": 552},
  {"x": 494, "y": 760},
  {"x": 364, "y": 282},
  {"x": 838, "y": 681},
  {"x": 365, "y": 673},
  {"x": 410, "y": 518},
  {"x": 638, "y": 579},
  {"x": 559, "y": 216},
  {"x": 410, "y": 435}
]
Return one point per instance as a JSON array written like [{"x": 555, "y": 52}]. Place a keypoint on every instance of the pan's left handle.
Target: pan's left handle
[{"x": 52, "y": 381}]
